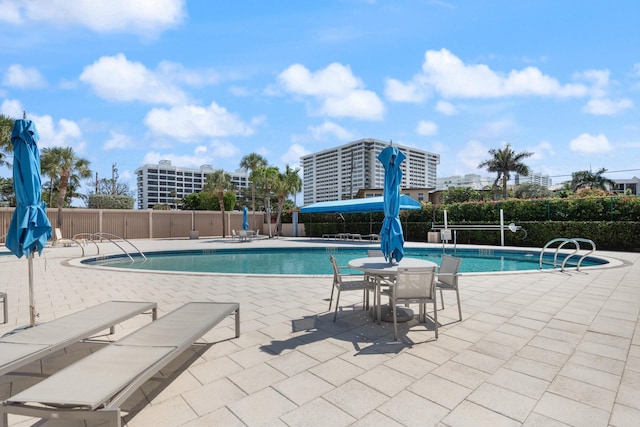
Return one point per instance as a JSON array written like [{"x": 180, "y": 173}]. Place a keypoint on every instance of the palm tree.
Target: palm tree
[
  {"x": 266, "y": 178},
  {"x": 287, "y": 183},
  {"x": 252, "y": 162},
  {"x": 220, "y": 181},
  {"x": 588, "y": 179},
  {"x": 504, "y": 162},
  {"x": 63, "y": 163},
  {"x": 6, "y": 127}
]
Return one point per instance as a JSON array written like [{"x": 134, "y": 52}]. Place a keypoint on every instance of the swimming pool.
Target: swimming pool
[{"x": 315, "y": 261}]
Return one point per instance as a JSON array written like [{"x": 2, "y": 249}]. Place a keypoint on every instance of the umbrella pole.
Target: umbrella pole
[{"x": 32, "y": 306}]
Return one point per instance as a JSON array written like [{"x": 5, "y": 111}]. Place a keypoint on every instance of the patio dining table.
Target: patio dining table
[{"x": 380, "y": 268}]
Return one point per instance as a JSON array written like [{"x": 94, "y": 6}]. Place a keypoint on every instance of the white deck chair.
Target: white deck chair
[
  {"x": 413, "y": 285},
  {"x": 448, "y": 274},
  {"x": 59, "y": 240},
  {"x": 34, "y": 343},
  {"x": 93, "y": 388}
]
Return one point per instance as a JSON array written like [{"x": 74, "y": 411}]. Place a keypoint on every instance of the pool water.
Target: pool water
[{"x": 315, "y": 261}]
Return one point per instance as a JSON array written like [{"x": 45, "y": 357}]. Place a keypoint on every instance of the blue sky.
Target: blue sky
[{"x": 200, "y": 82}]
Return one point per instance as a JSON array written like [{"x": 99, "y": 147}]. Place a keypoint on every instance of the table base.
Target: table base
[{"x": 404, "y": 314}]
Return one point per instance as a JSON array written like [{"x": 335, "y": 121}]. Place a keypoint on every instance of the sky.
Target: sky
[{"x": 207, "y": 82}]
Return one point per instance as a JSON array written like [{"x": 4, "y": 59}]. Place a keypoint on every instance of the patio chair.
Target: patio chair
[
  {"x": 413, "y": 285},
  {"x": 5, "y": 307},
  {"x": 233, "y": 234},
  {"x": 448, "y": 278},
  {"x": 94, "y": 388},
  {"x": 28, "y": 345},
  {"x": 349, "y": 282}
]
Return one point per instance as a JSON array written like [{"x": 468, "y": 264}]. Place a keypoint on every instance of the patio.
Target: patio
[{"x": 543, "y": 348}]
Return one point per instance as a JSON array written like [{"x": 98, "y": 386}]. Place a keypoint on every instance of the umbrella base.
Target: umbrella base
[{"x": 404, "y": 314}]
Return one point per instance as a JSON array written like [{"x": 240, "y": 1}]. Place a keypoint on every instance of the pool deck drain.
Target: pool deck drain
[{"x": 533, "y": 349}]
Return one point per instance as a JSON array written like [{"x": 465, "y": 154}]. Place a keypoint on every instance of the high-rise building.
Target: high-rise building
[
  {"x": 167, "y": 184},
  {"x": 534, "y": 178},
  {"x": 338, "y": 173},
  {"x": 472, "y": 180}
]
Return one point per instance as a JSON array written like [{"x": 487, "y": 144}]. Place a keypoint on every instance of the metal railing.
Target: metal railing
[
  {"x": 92, "y": 237},
  {"x": 577, "y": 251}
]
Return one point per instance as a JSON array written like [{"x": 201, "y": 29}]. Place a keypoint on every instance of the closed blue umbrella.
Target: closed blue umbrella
[
  {"x": 245, "y": 218},
  {"x": 391, "y": 236},
  {"x": 30, "y": 228}
]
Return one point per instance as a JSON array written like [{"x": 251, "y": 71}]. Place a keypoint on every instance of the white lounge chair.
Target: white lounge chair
[
  {"x": 94, "y": 388},
  {"x": 59, "y": 240},
  {"x": 34, "y": 343}
]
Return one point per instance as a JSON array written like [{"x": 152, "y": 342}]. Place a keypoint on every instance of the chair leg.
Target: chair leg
[
  {"x": 335, "y": 314},
  {"x": 459, "y": 307},
  {"x": 395, "y": 319},
  {"x": 331, "y": 298},
  {"x": 441, "y": 299},
  {"x": 435, "y": 317}
]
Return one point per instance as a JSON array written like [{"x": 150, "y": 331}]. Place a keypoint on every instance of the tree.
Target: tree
[
  {"x": 219, "y": 181},
  {"x": 7, "y": 196},
  {"x": 531, "y": 191},
  {"x": 63, "y": 164},
  {"x": 504, "y": 162},
  {"x": 266, "y": 178},
  {"x": 460, "y": 194},
  {"x": 287, "y": 183},
  {"x": 252, "y": 162},
  {"x": 6, "y": 127},
  {"x": 588, "y": 179}
]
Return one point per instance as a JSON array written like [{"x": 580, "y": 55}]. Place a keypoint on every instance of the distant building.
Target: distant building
[
  {"x": 419, "y": 194},
  {"x": 472, "y": 180},
  {"x": 339, "y": 173},
  {"x": 534, "y": 178},
  {"x": 167, "y": 184},
  {"x": 622, "y": 185}
]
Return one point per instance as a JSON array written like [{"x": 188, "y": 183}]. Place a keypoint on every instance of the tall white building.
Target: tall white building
[
  {"x": 472, "y": 180},
  {"x": 338, "y": 173},
  {"x": 167, "y": 184},
  {"x": 534, "y": 178}
]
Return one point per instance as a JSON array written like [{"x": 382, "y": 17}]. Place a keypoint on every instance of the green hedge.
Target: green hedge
[{"x": 108, "y": 201}]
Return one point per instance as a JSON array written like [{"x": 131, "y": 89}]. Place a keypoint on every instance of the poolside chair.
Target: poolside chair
[
  {"x": 448, "y": 274},
  {"x": 59, "y": 240},
  {"x": 413, "y": 285},
  {"x": 28, "y": 345},
  {"x": 5, "y": 307},
  {"x": 233, "y": 234},
  {"x": 349, "y": 282},
  {"x": 94, "y": 388}
]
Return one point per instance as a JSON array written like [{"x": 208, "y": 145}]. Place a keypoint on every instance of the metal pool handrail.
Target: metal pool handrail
[
  {"x": 109, "y": 237},
  {"x": 576, "y": 241}
]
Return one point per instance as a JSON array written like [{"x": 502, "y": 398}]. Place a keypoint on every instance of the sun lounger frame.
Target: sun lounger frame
[
  {"x": 113, "y": 313},
  {"x": 109, "y": 410}
]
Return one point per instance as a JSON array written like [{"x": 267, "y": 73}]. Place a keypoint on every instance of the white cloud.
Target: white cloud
[
  {"x": 607, "y": 107},
  {"x": 446, "y": 108},
  {"x": 337, "y": 91},
  {"x": 541, "y": 151},
  {"x": 223, "y": 149},
  {"x": 329, "y": 129},
  {"x": 12, "y": 108},
  {"x": 147, "y": 18},
  {"x": 426, "y": 128},
  {"x": 449, "y": 76},
  {"x": 118, "y": 79},
  {"x": 23, "y": 77},
  {"x": 398, "y": 91},
  {"x": 472, "y": 154},
  {"x": 64, "y": 133},
  {"x": 117, "y": 141},
  {"x": 190, "y": 123},
  {"x": 293, "y": 154},
  {"x": 589, "y": 144}
]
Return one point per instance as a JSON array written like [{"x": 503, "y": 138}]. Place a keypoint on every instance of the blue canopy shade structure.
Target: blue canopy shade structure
[
  {"x": 368, "y": 204},
  {"x": 245, "y": 218},
  {"x": 30, "y": 228},
  {"x": 391, "y": 235}
]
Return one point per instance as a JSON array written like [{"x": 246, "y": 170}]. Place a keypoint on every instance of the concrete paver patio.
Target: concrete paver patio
[{"x": 534, "y": 349}]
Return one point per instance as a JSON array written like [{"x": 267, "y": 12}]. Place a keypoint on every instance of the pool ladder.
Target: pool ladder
[
  {"x": 564, "y": 241},
  {"x": 83, "y": 237}
]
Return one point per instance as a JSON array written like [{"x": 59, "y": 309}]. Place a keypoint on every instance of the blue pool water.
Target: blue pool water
[{"x": 315, "y": 261}]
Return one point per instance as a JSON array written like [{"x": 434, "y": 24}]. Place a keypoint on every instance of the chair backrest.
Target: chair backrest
[
  {"x": 375, "y": 252},
  {"x": 58, "y": 234},
  {"x": 415, "y": 282},
  {"x": 337, "y": 280},
  {"x": 233, "y": 232},
  {"x": 449, "y": 267}
]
